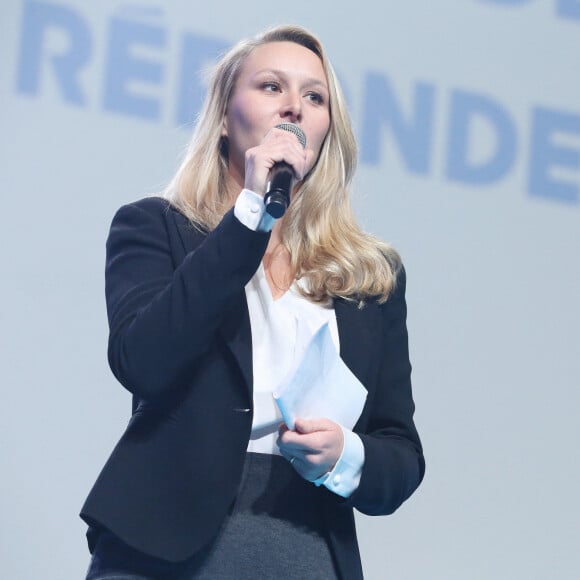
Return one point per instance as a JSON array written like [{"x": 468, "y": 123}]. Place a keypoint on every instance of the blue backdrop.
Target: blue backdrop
[{"x": 468, "y": 120}]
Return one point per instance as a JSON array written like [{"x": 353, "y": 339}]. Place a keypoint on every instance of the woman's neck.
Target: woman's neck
[{"x": 277, "y": 263}]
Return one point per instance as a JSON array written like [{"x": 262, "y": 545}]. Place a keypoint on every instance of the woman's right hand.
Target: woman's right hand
[{"x": 278, "y": 145}]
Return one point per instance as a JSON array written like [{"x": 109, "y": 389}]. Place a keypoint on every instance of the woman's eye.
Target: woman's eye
[
  {"x": 316, "y": 98},
  {"x": 271, "y": 87}
]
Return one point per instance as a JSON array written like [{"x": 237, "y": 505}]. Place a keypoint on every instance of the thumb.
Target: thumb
[{"x": 305, "y": 426}]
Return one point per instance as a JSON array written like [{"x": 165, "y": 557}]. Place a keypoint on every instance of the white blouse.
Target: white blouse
[{"x": 281, "y": 329}]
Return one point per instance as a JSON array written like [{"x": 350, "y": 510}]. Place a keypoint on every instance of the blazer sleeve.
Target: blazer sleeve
[
  {"x": 394, "y": 465},
  {"x": 163, "y": 316}
]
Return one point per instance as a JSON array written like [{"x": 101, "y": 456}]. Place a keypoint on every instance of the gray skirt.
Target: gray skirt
[{"x": 275, "y": 529}]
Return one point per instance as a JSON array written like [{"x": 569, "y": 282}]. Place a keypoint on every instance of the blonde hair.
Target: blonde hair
[{"x": 327, "y": 247}]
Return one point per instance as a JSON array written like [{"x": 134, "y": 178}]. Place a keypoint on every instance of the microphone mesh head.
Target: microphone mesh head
[{"x": 292, "y": 128}]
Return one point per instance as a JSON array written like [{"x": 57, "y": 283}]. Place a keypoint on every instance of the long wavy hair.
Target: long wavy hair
[{"x": 328, "y": 250}]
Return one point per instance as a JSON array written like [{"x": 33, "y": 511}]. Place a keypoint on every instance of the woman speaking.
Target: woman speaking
[{"x": 210, "y": 292}]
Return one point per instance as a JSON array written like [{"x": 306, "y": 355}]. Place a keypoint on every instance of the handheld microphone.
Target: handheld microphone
[{"x": 281, "y": 178}]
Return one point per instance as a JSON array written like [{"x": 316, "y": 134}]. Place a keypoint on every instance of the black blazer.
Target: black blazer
[{"x": 180, "y": 341}]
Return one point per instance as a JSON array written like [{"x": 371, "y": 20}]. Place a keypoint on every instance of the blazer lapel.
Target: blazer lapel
[
  {"x": 237, "y": 334},
  {"x": 235, "y": 330},
  {"x": 358, "y": 330}
]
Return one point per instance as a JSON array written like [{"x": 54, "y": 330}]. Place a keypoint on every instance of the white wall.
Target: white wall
[{"x": 468, "y": 116}]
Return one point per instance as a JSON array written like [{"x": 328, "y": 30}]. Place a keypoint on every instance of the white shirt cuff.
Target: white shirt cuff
[
  {"x": 345, "y": 475},
  {"x": 250, "y": 211}
]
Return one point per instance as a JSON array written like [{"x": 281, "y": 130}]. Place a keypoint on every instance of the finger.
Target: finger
[
  {"x": 259, "y": 162},
  {"x": 307, "y": 445},
  {"x": 293, "y": 445},
  {"x": 285, "y": 454},
  {"x": 305, "y": 426},
  {"x": 278, "y": 137},
  {"x": 287, "y": 147},
  {"x": 290, "y": 440}
]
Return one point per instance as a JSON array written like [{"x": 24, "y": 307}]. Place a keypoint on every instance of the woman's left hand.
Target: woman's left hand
[{"x": 313, "y": 447}]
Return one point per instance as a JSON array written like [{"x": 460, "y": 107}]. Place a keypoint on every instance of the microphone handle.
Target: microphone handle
[{"x": 277, "y": 198}]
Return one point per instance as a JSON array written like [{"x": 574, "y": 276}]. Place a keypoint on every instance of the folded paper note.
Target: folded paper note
[{"x": 321, "y": 385}]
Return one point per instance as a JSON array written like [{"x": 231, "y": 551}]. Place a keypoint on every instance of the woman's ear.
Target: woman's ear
[{"x": 224, "y": 132}]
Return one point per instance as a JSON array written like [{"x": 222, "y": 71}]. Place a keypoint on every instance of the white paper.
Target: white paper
[{"x": 321, "y": 385}]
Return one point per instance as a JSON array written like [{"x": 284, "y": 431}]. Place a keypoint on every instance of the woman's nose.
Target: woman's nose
[{"x": 292, "y": 107}]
